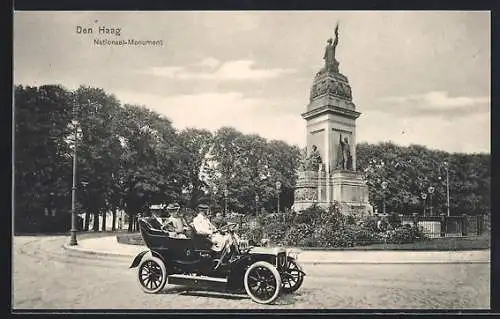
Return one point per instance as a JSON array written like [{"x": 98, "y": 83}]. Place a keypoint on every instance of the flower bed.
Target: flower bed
[{"x": 316, "y": 227}]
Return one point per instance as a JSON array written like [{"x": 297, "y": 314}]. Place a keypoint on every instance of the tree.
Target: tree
[
  {"x": 42, "y": 165},
  {"x": 149, "y": 168},
  {"x": 99, "y": 150},
  {"x": 410, "y": 171},
  {"x": 249, "y": 165},
  {"x": 194, "y": 146},
  {"x": 283, "y": 162}
]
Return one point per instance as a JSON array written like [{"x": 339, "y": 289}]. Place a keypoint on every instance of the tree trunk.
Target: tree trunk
[
  {"x": 87, "y": 221},
  {"x": 130, "y": 223},
  {"x": 104, "y": 215},
  {"x": 113, "y": 226},
  {"x": 95, "y": 227}
]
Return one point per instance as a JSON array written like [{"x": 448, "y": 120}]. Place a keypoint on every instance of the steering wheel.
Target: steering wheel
[{"x": 228, "y": 227}]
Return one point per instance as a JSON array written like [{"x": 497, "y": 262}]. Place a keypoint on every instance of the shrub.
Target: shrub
[
  {"x": 329, "y": 236},
  {"x": 310, "y": 216},
  {"x": 297, "y": 233},
  {"x": 255, "y": 234},
  {"x": 368, "y": 223},
  {"x": 363, "y": 236},
  {"x": 275, "y": 232},
  {"x": 309, "y": 241},
  {"x": 402, "y": 235}
]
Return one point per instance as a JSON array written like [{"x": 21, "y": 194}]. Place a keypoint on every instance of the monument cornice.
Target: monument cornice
[{"x": 325, "y": 109}]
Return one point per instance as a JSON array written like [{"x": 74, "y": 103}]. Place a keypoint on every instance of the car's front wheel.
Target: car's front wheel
[
  {"x": 293, "y": 277},
  {"x": 262, "y": 282},
  {"x": 152, "y": 274}
]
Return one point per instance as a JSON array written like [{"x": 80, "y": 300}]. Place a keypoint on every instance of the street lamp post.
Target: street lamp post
[
  {"x": 430, "y": 190},
  {"x": 256, "y": 204},
  {"x": 278, "y": 188},
  {"x": 213, "y": 196},
  {"x": 384, "y": 186},
  {"x": 73, "y": 230},
  {"x": 226, "y": 195},
  {"x": 424, "y": 196}
]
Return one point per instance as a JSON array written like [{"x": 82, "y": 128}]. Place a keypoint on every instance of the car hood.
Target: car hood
[{"x": 266, "y": 250}]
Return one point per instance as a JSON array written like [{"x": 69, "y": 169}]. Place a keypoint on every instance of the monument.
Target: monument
[{"x": 328, "y": 170}]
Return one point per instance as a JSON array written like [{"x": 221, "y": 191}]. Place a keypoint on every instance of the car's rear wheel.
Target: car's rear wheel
[
  {"x": 152, "y": 275},
  {"x": 292, "y": 278},
  {"x": 262, "y": 282}
]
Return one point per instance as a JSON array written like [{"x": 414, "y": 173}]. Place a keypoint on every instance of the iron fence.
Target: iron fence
[{"x": 447, "y": 226}]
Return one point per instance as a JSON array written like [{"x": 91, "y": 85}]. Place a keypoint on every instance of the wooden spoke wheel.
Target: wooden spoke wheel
[
  {"x": 262, "y": 282},
  {"x": 292, "y": 278},
  {"x": 152, "y": 275}
]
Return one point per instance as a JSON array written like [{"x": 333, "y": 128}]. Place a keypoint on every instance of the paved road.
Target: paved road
[{"x": 45, "y": 276}]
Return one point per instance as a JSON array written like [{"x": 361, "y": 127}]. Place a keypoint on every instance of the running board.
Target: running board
[{"x": 190, "y": 280}]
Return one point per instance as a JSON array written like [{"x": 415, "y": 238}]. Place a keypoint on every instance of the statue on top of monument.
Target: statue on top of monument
[
  {"x": 345, "y": 158},
  {"x": 331, "y": 63}
]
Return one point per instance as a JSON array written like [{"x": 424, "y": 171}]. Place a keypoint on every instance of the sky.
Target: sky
[{"x": 416, "y": 77}]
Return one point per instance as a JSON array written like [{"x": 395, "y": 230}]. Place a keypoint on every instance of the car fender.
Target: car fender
[
  {"x": 299, "y": 266},
  {"x": 138, "y": 259}
]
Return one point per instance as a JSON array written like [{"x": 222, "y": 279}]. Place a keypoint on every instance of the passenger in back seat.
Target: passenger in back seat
[{"x": 174, "y": 224}]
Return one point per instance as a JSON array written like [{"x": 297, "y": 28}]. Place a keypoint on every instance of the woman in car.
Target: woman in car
[{"x": 174, "y": 224}]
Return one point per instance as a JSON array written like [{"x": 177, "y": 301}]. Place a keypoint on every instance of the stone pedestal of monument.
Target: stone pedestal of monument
[
  {"x": 350, "y": 190},
  {"x": 345, "y": 187},
  {"x": 306, "y": 190}
]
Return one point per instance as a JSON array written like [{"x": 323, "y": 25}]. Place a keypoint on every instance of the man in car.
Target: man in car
[{"x": 203, "y": 226}]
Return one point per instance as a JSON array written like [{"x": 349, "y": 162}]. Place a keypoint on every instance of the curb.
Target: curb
[
  {"x": 302, "y": 261},
  {"x": 97, "y": 253}
]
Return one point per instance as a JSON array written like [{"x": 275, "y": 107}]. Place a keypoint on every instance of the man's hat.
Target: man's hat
[
  {"x": 203, "y": 206},
  {"x": 173, "y": 206}
]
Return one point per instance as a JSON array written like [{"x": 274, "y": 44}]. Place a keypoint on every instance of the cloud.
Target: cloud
[
  {"x": 209, "y": 62},
  {"x": 231, "y": 70},
  {"x": 439, "y": 99},
  {"x": 464, "y": 134},
  {"x": 214, "y": 110},
  {"x": 168, "y": 72},
  {"x": 436, "y": 103}
]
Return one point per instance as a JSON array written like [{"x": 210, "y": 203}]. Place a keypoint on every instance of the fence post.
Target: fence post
[
  {"x": 464, "y": 224},
  {"x": 479, "y": 223},
  {"x": 443, "y": 225},
  {"x": 415, "y": 220}
]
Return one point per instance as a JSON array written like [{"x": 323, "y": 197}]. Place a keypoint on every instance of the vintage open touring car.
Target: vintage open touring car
[{"x": 262, "y": 272}]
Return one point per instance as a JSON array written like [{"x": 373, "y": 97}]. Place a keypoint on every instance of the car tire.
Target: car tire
[
  {"x": 152, "y": 274},
  {"x": 262, "y": 282},
  {"x": 293, "y": 278}
]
